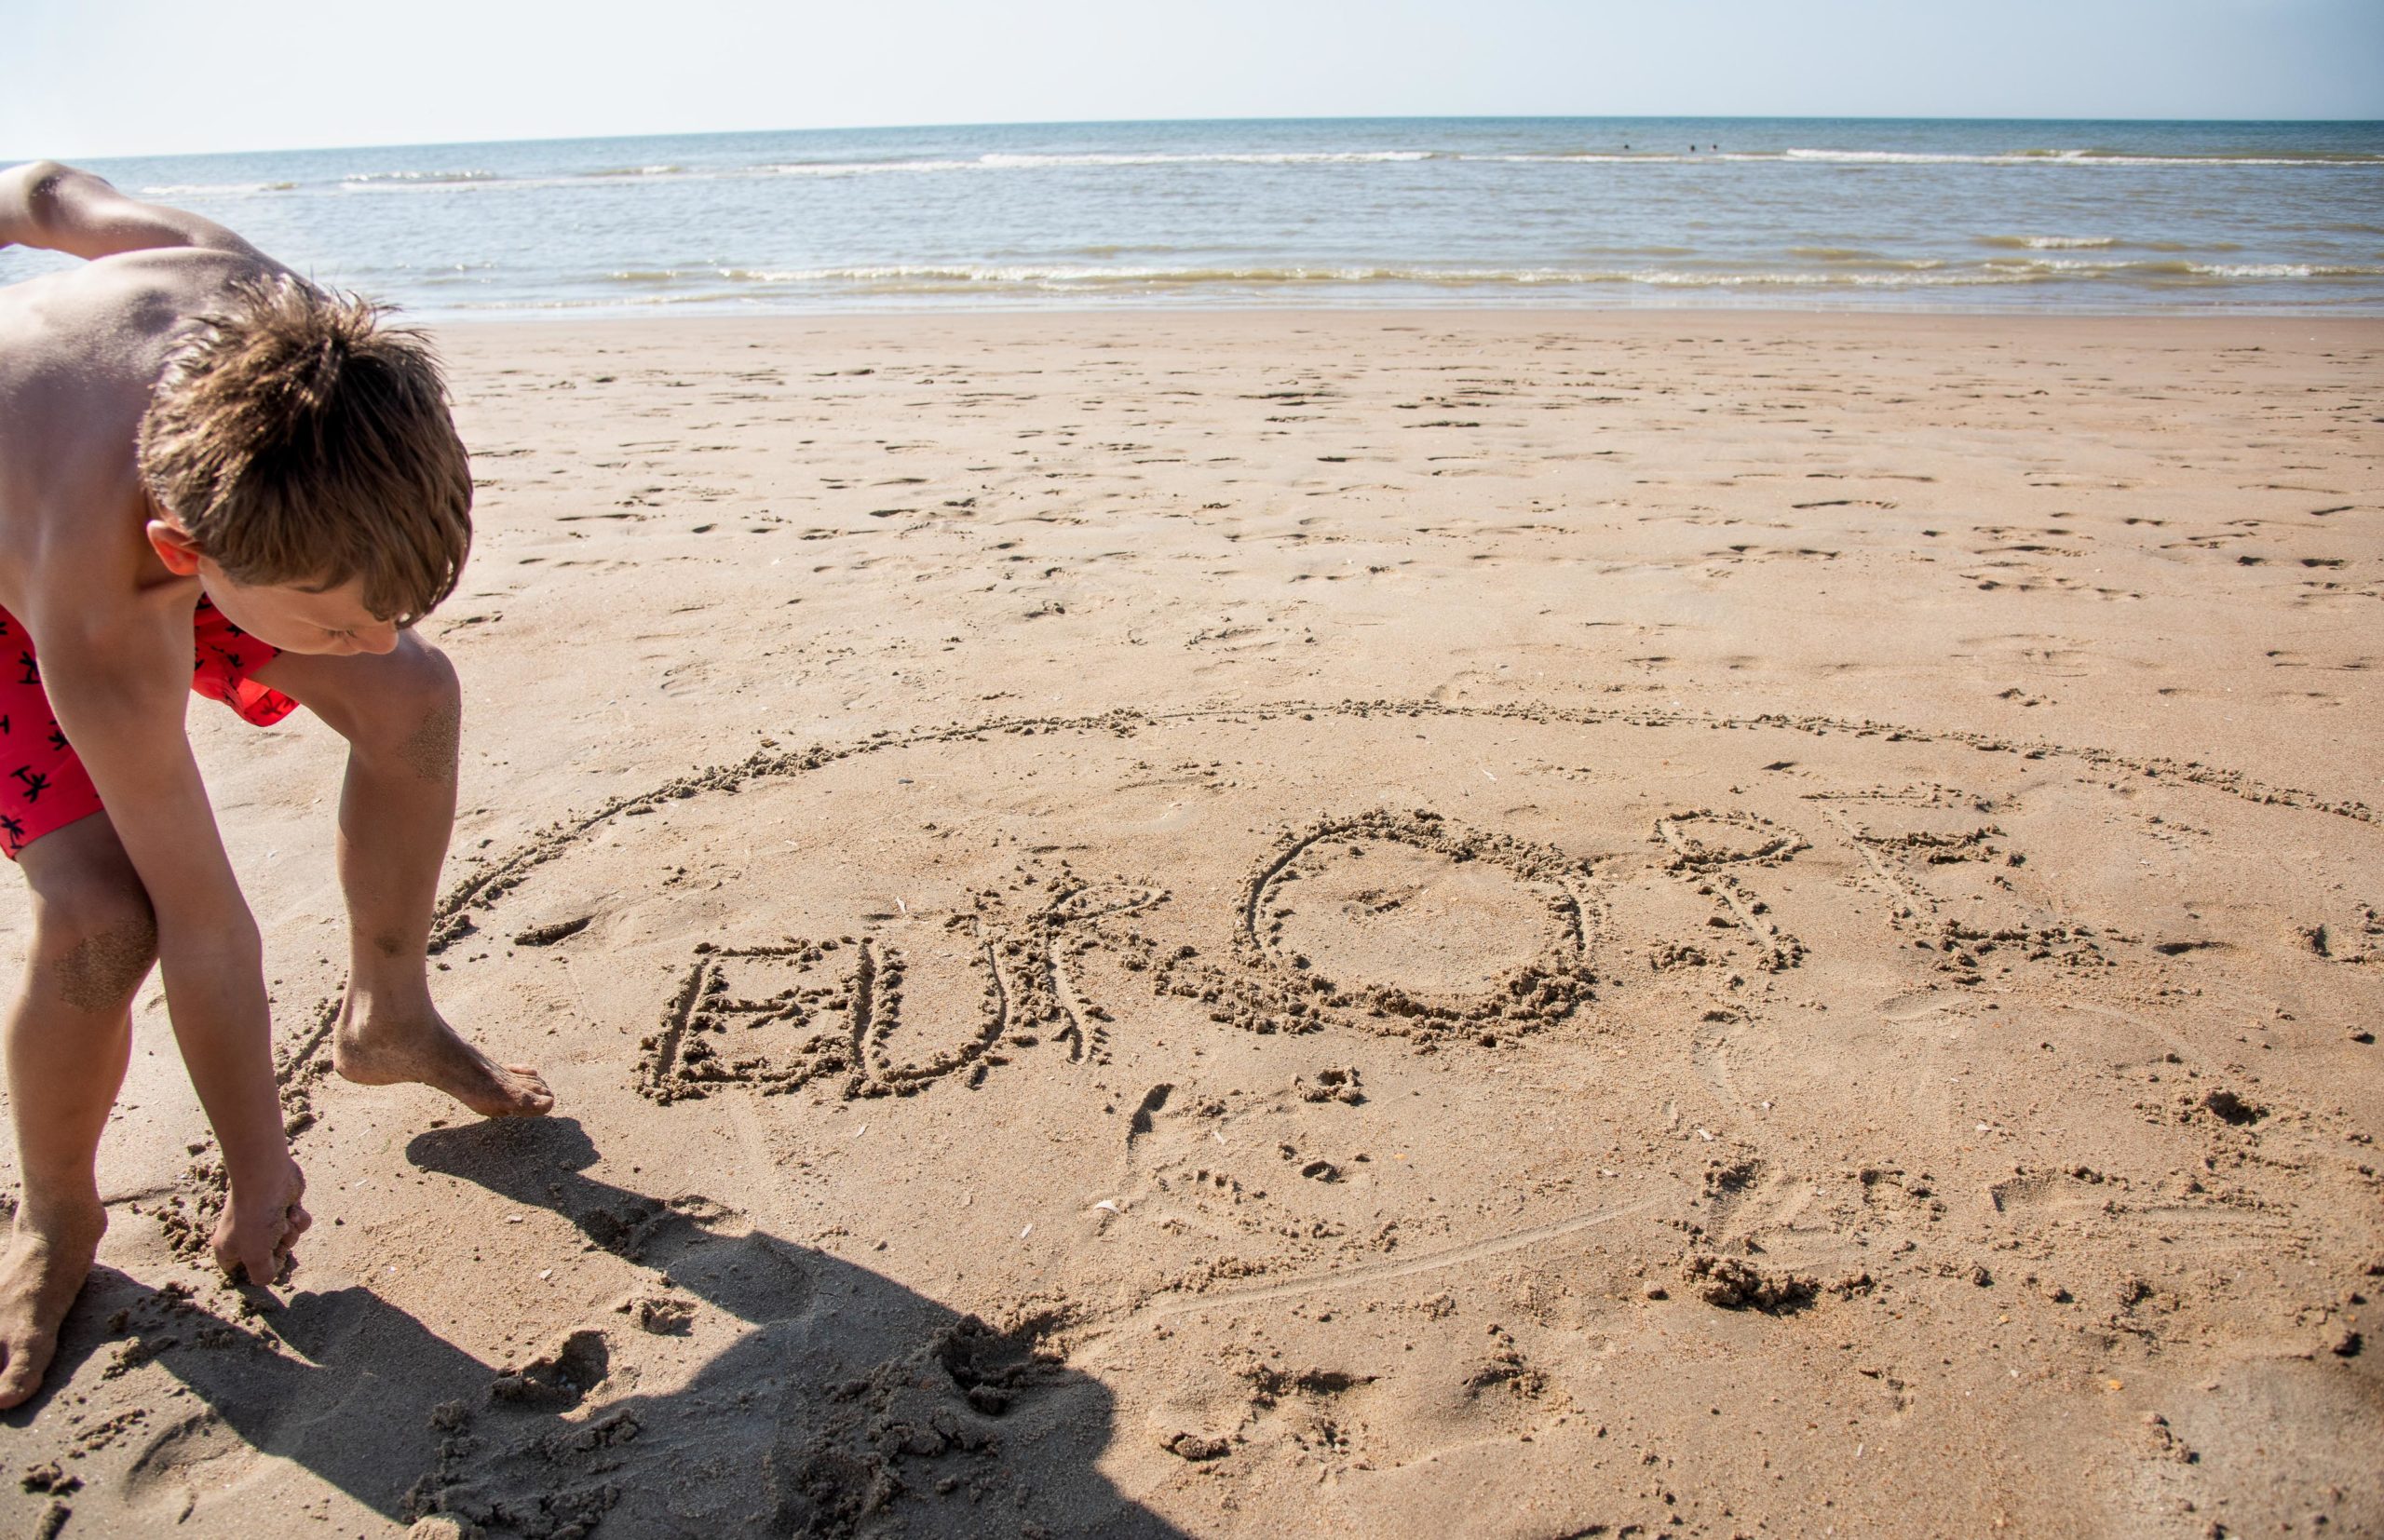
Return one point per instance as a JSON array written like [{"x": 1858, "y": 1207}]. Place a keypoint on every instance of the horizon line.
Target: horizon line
[{"x": 1154, "y": 122}]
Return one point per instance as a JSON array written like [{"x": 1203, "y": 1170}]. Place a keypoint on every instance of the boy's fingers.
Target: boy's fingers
[{"x": 299, "y": 1221}]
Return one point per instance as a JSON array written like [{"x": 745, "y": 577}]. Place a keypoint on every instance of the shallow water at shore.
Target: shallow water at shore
[{"x": 1807, "y": 213}]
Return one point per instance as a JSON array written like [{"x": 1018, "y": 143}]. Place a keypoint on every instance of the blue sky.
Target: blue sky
[{"x": 150, "y": 76}]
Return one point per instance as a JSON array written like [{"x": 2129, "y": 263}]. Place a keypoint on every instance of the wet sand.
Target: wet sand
[{"x": 1339, "y": 923}]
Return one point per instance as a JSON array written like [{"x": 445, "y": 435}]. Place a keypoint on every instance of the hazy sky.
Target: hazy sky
[{"x": 159, "y": 76}]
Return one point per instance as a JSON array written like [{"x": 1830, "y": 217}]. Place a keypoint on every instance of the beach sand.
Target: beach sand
[{"x": 1520, "y": 925}]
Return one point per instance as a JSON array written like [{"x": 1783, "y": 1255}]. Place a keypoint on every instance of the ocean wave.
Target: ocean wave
[
  {"x": 417, "y": 179},
  {"x": 2050, "y": 243},
  {"x": 216, "y": 189},
  {"x": 1059, "y": 277},
  {"x": 1599, "y": 157},
  {"x": 1850, "y": 256},
  {"x": 862, "y": 168},
  {"x": 999, "y": 161},
  {"x": 1251, "y": 158},
  {"x": 2061, "y": 157},
  {"x": 1023, "y": 161},
  {"x": 2278, "y": 270},
  {"x": 2088, "y": 266},
  {"x": 1917, "y": 157}
]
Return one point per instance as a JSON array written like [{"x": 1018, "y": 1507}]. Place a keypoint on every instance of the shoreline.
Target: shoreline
[
  {"x": 544, "y": 323},
  {"x": 663, "y": 315}
]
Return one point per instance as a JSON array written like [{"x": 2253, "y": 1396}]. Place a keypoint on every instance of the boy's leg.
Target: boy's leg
[
  {"x": 401, "y": 715},
  {"x": 69, "y": 1036}
]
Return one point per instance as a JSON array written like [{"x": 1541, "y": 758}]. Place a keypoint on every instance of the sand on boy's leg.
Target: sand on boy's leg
[{"x": 402, "y": 714}]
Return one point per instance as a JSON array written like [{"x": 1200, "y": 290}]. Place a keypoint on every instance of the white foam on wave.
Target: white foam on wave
[
  {"x": 1023, "y": 161},
  {"x": 2056, "y": 264},
  {"x": 1063, "y": 277},
  {"x": 433, "y": 179},
  {"x": 1917, "y": 157},
  {"x": 1589, "y": 157},
  {"x": 2051, "y": 243},
  {"x": 216, "y": 189},
  {"x": 2280, "y": 270},
  {"x": 390, "y": 181},
  {"x": 863, "y": 168},
  {"x": 2088, "y": 266},
  {"x": 2061, "y": 157},
  {"x": 1253, "y": 157}
]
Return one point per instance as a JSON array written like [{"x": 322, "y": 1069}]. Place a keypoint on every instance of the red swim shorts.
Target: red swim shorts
[{"x": 43, "y": 785}]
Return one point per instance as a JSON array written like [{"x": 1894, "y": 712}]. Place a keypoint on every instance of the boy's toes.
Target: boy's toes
[
  {"x": 536, "y": 1096},
  {"x": 21, "y": 1373},
  {"x": 522, "y": 1092}
]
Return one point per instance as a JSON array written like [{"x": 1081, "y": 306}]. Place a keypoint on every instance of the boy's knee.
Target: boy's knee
[
  {"x": 95, "y": 938},
  {"x": 412, "y": 710},
  {"x": 427, "y": 723},
  {"x": 421, "y": 682}
]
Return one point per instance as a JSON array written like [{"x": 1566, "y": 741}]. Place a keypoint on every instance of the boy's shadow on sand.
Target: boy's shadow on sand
[{"x": 850, "y": 1405}]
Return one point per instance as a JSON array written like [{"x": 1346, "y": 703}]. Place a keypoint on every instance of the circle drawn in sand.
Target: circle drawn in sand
[{"x": 1408, "y": 923}]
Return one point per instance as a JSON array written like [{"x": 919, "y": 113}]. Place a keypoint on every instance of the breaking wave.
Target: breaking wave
[{"x": 926, "y": 278}]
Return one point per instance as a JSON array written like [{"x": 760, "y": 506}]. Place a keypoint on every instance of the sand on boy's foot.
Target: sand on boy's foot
[{"x": 1351, "y": 924}]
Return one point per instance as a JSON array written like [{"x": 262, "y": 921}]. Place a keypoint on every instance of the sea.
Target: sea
[{"x": 1807, "y": 213}]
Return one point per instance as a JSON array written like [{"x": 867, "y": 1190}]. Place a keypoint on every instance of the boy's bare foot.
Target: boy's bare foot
[
  {"x": 387, "y": 1050},
  {"x": 40, "y": 1273}
]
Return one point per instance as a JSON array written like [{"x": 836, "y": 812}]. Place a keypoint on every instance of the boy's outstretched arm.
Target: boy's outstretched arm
[
  {"x": 58, "y": 208},
  {"x": 119, "y": 695}
]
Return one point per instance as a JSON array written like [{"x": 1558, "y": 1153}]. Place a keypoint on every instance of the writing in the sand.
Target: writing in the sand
[{"x": 792, "y": 1012}]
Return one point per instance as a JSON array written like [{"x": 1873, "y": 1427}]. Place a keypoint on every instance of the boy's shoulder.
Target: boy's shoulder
[
  {"x": 82, "y": 349},
  {"x": 80, "y": 352},
  {"x": 118, "y": 317}
]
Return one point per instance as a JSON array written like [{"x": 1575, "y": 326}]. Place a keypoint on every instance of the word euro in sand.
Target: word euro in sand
[{"x": 809, "y": 1010}]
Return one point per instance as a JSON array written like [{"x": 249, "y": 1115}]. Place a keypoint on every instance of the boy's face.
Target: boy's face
[
  {"x": 331, "y": 621},
  {"x": 297, "y": 619}
]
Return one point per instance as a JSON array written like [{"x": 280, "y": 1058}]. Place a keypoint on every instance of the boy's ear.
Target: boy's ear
[{"x": 174, "y": 547}]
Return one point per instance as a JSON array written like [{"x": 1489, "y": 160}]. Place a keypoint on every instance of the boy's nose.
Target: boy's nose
[{"x": 379, "y": 639}]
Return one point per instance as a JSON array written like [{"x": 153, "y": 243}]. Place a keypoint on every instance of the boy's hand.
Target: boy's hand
[{"x": 260, "y": 1222}]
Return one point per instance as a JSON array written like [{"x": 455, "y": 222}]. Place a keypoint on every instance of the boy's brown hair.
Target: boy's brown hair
[{"x": 299, "y": 440}]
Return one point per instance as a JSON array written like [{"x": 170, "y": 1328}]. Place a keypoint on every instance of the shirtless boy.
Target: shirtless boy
[{"x": 205, "y": 460}]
